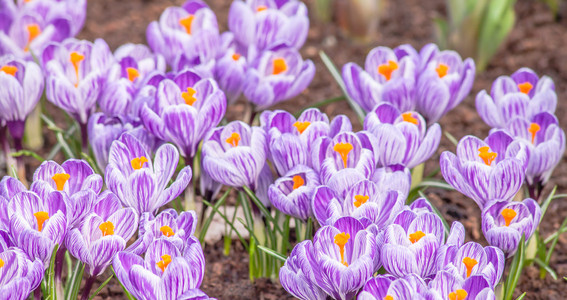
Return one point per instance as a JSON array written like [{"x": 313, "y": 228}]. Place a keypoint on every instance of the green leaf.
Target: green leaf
[
  {"x": 320, "y": 104},
  {"x": 441, "y": 32},
  {"x": 263, "y": 209},
  {"x": 434, "y": 183},
  {"x": 28, "y": 153},
  {"x": 207, "y": 223},
  {"x": 126, "y": 293},
  {"x": 242, "y": 240},
  {"x": 52, "y": 293},
  {"x": 72, "y": 288},
  {"x": 515, "y": 270},
  {"x": 546, "y": 267},
  {"x": 438, "y": 213},
  {"x": 546, "y": 202},
  {"x": 451, "y": 138},
  {"x": 272, "y": 253},
  {"x": 552, "y": 248},
  {"x": 101, "y": 287},
  {"x": 522, "y": 296}
]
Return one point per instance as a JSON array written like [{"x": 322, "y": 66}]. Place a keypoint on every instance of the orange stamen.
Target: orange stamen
[
  {"x": 525, "y": 87},
  {"x": 508, "y": 214},
  {"x": 1, "y": 263},
  {"x": 487, "y": 156},
  {"x": 60, "y": 180},
  {"x": 340, "y": 240},
  {"x": 189, "y": 96},
  {"x": 132, "y": 74},
  {"x": 236, "y": 56},
  {"x": 469, "y": 263},
  {"x": 301, "y": 126},
  {"x": 416, "y": 236},
  {"x": 387, "y": 69},
  {"x": 34, "y": 31},
  {"x": 41, "y": 217},
  {"x": 359, "y": 200},
  {"x": 167, "y": 231},
  {"x": 187, "y": 23},
  {"x": 442, "y": 70},
  {"x": 533, "y": 129},
  {"x": 138, "y": 162},
  {"x": 164, "y": 262},
  {"x": 458, "y": 295},
  {"x": 107, "y": 228},
  {"x": 10, "y": 70},
  {"x": 343, "y": 149},
  {"x": 280, "y": 66},
  {"x": 76, "y": 60},
  {"x": 261, "y": 8},
  {"x": 388, "y": 297},
  {"x": 234, "y": 139},
  {"x": 407, "y": 117},
  {"x": 298, "y": 182}
]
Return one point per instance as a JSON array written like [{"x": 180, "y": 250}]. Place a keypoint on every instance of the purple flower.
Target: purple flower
[
  {"x": 184, "y": 110},
  {"x": 22, "y": 86},
  {"x": 75, "y": 75},
  {"x": 297, "y": 276},
  {"x": 485, "y": 170},
  {"x": 448, "y": 286},
  {"x": 504, "y": 223},
  {"x": 190, "y": 30},
  {"x": 523, "y": 94},
  {"x": 389, "y": 287},
  {"x": 263, "y": 24},
  {"x": 230, "y": 68},
  {"x": 19, "y": 276},
  {"x": 164, "y": 273},
  {"x": 402, "y": 138},
  {"x": 102, "y": 235},
  {"x": 291, "y": 194},
  {"x": 74, "y": 11},
  {"x": 138, "y": 181},
  {"x": 277, "y": 75},
  {"x": 103, "y": 130}
]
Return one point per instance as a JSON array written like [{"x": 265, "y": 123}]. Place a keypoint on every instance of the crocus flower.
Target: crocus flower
[
  {"x": 485, "y": 170},
  {"x": 22, "y": 84},
  {"x": 291, "y": 194},
  {"x": 504, "y": 223},
  {"x": 277, "y": 75},
  {"x": 389, "y": 287},
  {"x": 75, "y": 11},
  {"x": 190, "y": 30},
  {"x": 444, "y": 80},
  {"x": 140, "y": 182},
  {"x": 20, "y": 275},
  {"x": 102, "y": 235},
  {"x": 403, "y": 138},
  {"x": 267, "y": 23},
  {"x": 184, "y": 110},
  {"x": 103, "y": 130},
  {"x": 75, "y": 75},
  {"x": 448, "y": 286},
  {"x": 297, "y": 277},
  {"x": 230, "y": 68},
  {"x": 164, "y": 273},
  {"x": 523, "y": 94}
]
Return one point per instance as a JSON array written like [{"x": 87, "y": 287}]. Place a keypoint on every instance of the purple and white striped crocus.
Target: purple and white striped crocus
[
  {"x": 103, "y": 234},
  {"x": 184, "y": 110},
  {"x": 297, "y": 277},
  {"x": 140, "y": 182},
  {"x": 486, "y": 170},
  {"x": 388, "y": 287},
  {"x": 524, "y": 94},
  {"x": 504, "y": 223},
  {"x": 449, "y": 286},
  {"x": 403, "y": 139},
  {"x": 164, "y": 273},
  {"x": 73, "y": 10},
  {"x": 191, "y": 30},
  {"x": 276, "y": 75},
  {"x": 292, "y": 193},
  {"x": 262, "y": 24},
  {"x": 22, "y": 86},
  {"x": 230, "y": 67},
  {"x": 19, "y": 275}
]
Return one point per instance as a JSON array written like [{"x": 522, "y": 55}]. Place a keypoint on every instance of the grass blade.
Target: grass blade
[
  {"x": 101, "y": 287},
  {"x": 207, "y": 222},
  {"x": 272, "y": 253},
  {"x": 242, "y": 240}
]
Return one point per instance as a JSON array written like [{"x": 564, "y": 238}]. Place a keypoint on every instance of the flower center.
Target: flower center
[
  {"x": 138, "y": 162},
  {"x": 407, "y": 117},
  {"x": 343, "y": 149},
  {"x": 164, "y": 262},
  {"x": 132, "y": 73},
  {"x": 298, "y": 182},
  {"x": 533, "y": 129},
  {"x": 10, "y": 70},
  {"x": 167, "y": 231},
  {"x": 458, "y": 295},
  {"x": 234, "y": 139},
  {"x": 340, "y": 240},
  {"x": 469, "y": 263},
  {"x": 261, "y": 8},
  {"x": 359, "y": 200},
  {"x": 508, "y": 214},
  {"x": 34, "y": 31},
  {"x": 387, "y": 69},
  {"x": 76, "y": 60},
  {"x": 442, "y": 70},
  {"x": 41, "y": 217},
  {"x": 279, "y": 66},
  {"x": 1, "y": 263},
  {"x": 187, "y": 23},
  {"x": 189, "y": 96},
  {"x": 525, "y": 87},
  {"x": 301, "y": 126},
  {"x": 487, "y": 156},
  {"x": 107, "y": 228},
  {"x": 388, "y": 297},
  {"x": 60, "y": 180},
  {"x": 416, "y": 236},
  {"x": 236, "y": 56}
]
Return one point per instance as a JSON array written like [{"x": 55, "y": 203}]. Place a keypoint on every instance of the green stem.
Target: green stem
[{"x": 417, "y": 175}]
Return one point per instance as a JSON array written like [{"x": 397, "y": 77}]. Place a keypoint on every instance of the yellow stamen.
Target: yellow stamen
[
  {"x": 279, "y": 66},
  {"x": 359, "y": 200},
  {"x": 189, "y": 96},
  {"x": 164, "y": 262},
  {"x": 298, "y": 182},
  {"x": 1, "y": 263},
  {"x": 41, "y": 217},
  {"x": 132, "y": 74},
  {"x": 416, "y": 236},
  {"x": 301, "y": 126},
  {"x": 388, "y": 297},
  {"x": 76, "y": 60},
  {"x": 34, "y": 31},
  {"x": 533, "y": 129},
  {"x": 458, "y": 295},
  {"x": 60, "y": 180},
  {"x": 167, "y": 231},
  {"x": 407, "y": 117},
  {"x": 107, "y": 228},
  {"x": 387, "y": 69},
  {"x": 236, "y": 56},
  {"x": 340, "y": 240},
  {"x": 343, "y": 149},
  {"x": 261, "y": 8},
  {"x": 10, "y": 70},
  {"x": 138, "y": 162},
  {"x": 469, "y": 263},
  {"x": 508, "y": 214},
  {"x": 525, "y": 87},
  {"x": 442, "y": 70},
  {"x": 187, "y": 23},
  {"x": 487, "y": 156},
  {"x": 234, "y": 139}
]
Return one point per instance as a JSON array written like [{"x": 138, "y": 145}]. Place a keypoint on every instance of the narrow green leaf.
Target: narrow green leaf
[
  {"x": 515, "y": 270},
  {"x": 128, "y": 295},
  {"x": 434, "y": 183},
  {"x": 101, "y": 287},
  {"x": 262, "y": 208},
  {"x": 272, "y": 253},
  {"x": 207, "y": 222},
  {"x": 72, "y": 289},
  {"x": 242, "y": 240},
  {"x": 522, "y": 296},
  {"x": 320, "y": 104},
  {"x": 546, "y": 202},
  {"x": 546, "y": 267},
  {"x": 438, "y": 213},
  {"x": 552, "y": 248},
  {"x": 28, "y": 153},
  {"x": 451, "y": 138},
  {"x": 51, "y": 275}
]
